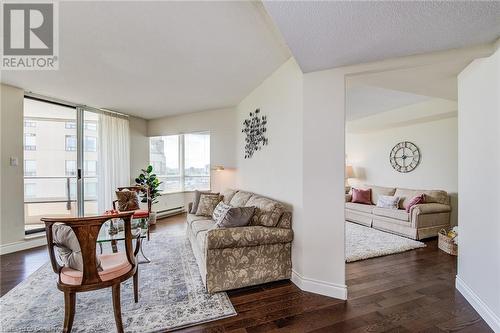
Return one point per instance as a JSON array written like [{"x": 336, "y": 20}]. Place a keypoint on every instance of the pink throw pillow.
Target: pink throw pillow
[
  {"x": 362, "y": 196},
  {"x": 414, "y": 201}
]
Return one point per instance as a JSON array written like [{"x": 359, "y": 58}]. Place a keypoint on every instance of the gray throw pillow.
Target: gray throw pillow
[
  {"x": 68, "y": 247},
  {"x": 237, "y": 217},
  {"x": 196, "y": 200}
]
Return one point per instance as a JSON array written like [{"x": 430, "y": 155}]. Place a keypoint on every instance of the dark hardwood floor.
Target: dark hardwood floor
[{"x": 407, "y": 292}]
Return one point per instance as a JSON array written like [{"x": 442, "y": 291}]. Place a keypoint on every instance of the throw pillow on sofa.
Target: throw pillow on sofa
[
  {"x": 361, "y": 196},
  {"x": 196, "y": 200},
  {"x": 207, "y": 204},
  {"x": 386, "y": 201},
  {"x": 414, "y": 201},
  {"x": 220, "y": 211},
  {"x": 236, "y": 217}
]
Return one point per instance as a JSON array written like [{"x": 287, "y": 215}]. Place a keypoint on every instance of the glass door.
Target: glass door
[{"x": 60, "y": 161}]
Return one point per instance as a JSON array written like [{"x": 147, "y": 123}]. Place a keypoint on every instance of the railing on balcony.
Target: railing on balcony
[{"x": 54, "y": 196}]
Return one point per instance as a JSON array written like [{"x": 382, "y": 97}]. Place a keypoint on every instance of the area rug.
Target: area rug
[
  {"x": 364, "y": 242},
  {"x": 171, "y": 296}
]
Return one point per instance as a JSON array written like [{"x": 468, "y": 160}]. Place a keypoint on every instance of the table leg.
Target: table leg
[
  {"x": 147, "y": 260},
  {"x": 100, "y": 247}
]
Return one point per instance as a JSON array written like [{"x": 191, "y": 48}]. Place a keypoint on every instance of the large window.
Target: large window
[
  {"x": 29, "y": 141},
  {"x": 70, "y": 142},
  {"x": 182, "y": 162},
  {"x": 29, "y": 168}
]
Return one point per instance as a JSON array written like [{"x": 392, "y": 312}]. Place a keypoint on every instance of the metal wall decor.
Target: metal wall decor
[
  {"x": 405, "y": 157},
  {"x": 254, "y": 129}
]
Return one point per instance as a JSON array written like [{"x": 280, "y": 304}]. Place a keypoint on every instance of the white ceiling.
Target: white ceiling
[
  {"x": 327, "y": 34},
  {"x": 363, "y": 101},
  {"x": 153, "y": 59}
]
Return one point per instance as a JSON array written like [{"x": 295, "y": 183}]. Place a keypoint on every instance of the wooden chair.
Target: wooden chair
[
  {"x": 116, "y": 267},
  {"x": 139, "y": 213}
]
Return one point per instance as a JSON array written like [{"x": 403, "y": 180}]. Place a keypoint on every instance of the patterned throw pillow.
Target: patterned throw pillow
[
  {"x": 387, "y": 201},
  {"x": 196, "y": 200},
  {"x": 127, "y": 200},
  {"x": 207, "y": 204},
  {"x": 220, "y": 211}
]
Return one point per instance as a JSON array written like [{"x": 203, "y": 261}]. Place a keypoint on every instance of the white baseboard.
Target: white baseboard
[
  {"x": 23, "y": 245},
  {"x": 484, "y": 311},
  {"x": 319, "y": 287}
]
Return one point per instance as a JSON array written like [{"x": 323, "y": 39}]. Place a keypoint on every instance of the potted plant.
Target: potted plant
[{"x": 150, "y": 183}]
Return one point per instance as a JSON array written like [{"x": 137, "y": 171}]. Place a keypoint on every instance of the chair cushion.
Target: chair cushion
[
  {"x": 113, "y": 265},
  {"x": 140, "y": 214},
  {"x": 397, "y": 214},
  {"x": 359, "y": 207},
  {"x": 127, "y": 200}
]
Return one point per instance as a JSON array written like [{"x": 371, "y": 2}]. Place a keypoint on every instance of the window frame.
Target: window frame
[{"x": 182, "y": 162}]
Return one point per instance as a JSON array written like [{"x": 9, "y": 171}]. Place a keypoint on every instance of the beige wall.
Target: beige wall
[
  {"x": 12, "y": 189},
  {"x": 478, "y": 277},
  {"x": 276, "y": 170},
  {"x": 368, "y": 153}
]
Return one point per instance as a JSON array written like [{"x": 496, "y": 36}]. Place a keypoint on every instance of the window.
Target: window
[
  {"x": 90, "y": 190},
  {"x": 90, "y": 168},
  {"x": 90, "y": 143},
  {"x": 70, "y": 168},
  {"x": 70, "y": 142},
  {"x": 70, "y": 125},
  {"x": 182, "y": 162},
  {"x": 29, "y": 123},
  {"x": 29, "y": 190},
  {"x": 29, "y": 168},
  {"x": 29, "y": 141},
  {"x": 91, "y": 126}
]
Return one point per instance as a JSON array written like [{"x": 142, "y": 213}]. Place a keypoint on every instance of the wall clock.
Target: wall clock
[{"x": 405, "y": 157}]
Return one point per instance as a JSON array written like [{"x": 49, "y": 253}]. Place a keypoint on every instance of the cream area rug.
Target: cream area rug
[
  {"x": 171, "y": 296},
  {"x": 364, "y": 242}
]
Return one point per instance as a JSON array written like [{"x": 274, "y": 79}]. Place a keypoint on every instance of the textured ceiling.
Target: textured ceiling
[
  {"x": 327, "y": 34},
  {"x": 153, "y": 59},
  {"x": 362, "y": 101}
]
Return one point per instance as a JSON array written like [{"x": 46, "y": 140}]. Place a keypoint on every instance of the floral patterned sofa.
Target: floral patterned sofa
[{"x": 231, "y": 258}]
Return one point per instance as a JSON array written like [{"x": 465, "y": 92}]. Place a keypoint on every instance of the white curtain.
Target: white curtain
[{"x": 114, "y": 158}]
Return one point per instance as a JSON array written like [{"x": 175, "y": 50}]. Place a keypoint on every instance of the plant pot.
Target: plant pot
[{"x": 152, "y": 218}]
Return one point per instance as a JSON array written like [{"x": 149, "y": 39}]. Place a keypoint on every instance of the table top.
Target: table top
[{"x": 137, "y": 230}]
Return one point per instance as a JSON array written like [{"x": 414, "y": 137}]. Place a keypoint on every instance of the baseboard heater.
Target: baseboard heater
[{"x": 169, "y": 212}]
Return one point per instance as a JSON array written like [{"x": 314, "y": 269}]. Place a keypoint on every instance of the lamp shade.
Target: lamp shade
[{"x": 349, "y": 172}]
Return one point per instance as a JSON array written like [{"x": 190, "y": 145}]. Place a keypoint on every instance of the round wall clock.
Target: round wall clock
[{"x": 405, "y": 157}]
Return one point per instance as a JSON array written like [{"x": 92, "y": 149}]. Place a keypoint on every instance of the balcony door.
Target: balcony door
[{"x": 60, "y": 161}]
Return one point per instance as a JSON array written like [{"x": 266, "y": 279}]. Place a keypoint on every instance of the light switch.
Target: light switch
[{"x": 14, "y": 161}]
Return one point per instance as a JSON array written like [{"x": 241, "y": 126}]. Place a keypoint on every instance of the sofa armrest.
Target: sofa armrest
[
  {"x": 430, "y": 208},
  {"x": 247, "y": 236}
]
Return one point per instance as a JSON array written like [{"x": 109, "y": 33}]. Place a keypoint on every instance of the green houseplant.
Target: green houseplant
[{"x": 150, "y": 183}]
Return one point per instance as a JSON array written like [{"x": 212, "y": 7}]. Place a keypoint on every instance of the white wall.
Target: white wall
[
  {"x": 139, "y": 146},
  {"x": 478, "y": 277},
  {"x": 276, "y": 170},
  {"x": 12, "y": 188},
  {"x": 368, "y": 153},
  {"x": 221, "y": 124}
]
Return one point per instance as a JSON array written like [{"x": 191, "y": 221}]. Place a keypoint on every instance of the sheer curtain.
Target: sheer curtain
[{"x": 114, "y": 158}]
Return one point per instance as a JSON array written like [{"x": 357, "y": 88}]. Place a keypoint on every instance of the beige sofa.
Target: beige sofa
[
  {"x": 423, "y": 221},
  {"x": 231, "y": 258}
]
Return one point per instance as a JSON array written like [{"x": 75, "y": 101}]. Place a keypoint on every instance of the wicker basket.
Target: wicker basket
[{"x": 446, "y": 243}]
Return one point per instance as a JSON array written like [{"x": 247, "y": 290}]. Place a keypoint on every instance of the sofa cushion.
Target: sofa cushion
[
  {"x": 267, "y": 211},
  {"x": 397, "y": 214},
  {"x": 236, "y": 217},
  {"x": 436, "y": 196},
  {"x": 240, "y": 199},
  {"x": 207, "y": 204},
  {"x": 380, "y": 190},
  {"x": 359, "y": 207},
  {"x": 201, "y": 225},
  {"x": 191, "y": 218},
  {"x": 227, "y": 195},
  {"x": 362, "y": 196}
]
